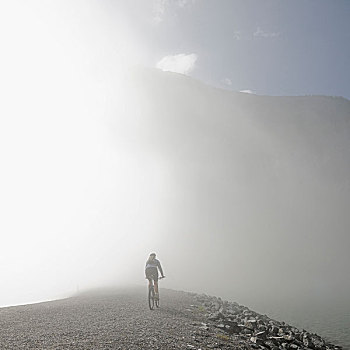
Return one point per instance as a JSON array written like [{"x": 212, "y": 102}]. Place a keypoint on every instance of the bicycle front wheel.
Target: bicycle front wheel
[{"x": 151, "y": 298}]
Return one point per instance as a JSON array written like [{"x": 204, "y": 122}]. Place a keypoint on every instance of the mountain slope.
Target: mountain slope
[{"x": 255, "y": 188}]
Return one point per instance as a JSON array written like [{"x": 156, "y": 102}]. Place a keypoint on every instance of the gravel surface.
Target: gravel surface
[{"x": 114, "y": 319}]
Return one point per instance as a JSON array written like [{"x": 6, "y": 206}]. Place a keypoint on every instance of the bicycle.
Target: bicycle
[{"x": 152, "y": 301}]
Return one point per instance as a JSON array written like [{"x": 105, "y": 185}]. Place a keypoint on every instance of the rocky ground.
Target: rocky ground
[
  {"x": 120, "y": 319},
  {"x": 258, "y": 330}
]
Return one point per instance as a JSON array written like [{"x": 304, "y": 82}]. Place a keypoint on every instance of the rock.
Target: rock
[
  {"x": 246, "y": 331},
  {"x": 216, "y": 306},
  {"x": 280, "y": 331},
  {"x": 253, "y": 339},
  {"x": 256, "y": 340},
  {"x": 317, "y": 341},
  {"x": 251, "y": 324},
  {"x": 247, "y": 313},
  {"x": 306, "y": 340},
  {"x": 262, "y": 328},
  {"x": 216, "y": 316},
  {"x": 232, "y": 327},
  {"x": 262, "y": 331},
  {"x": 271, "y": 345},
  {"x": 261, "y": 335},
  {"x": 276, "y": 340},
  {"x": 289, "y": 337},
  {"x": 273, "y": 330}
]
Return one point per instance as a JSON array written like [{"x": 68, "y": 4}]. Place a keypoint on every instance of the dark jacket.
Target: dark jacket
[{"x": 155, "y": 263}]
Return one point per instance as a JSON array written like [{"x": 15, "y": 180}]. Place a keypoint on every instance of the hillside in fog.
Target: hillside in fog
[
  {"x": 242, "y": 196},
  {"x": 253, "y": 190}
]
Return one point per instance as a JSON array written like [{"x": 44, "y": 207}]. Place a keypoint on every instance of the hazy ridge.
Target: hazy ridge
[
  {"x": 242, "y": 196},
  {"x": 259, "y": 183}
]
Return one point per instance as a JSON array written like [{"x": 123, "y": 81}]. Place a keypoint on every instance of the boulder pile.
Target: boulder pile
[{"x": 259, "y": 330}]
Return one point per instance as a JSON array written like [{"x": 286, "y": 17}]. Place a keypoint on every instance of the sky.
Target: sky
[
  {"x": 87, "y": 176},
  {"x": 267, "y": 47}
]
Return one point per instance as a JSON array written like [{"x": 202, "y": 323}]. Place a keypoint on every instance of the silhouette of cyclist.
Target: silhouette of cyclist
[{"x": 151, "y": 270}]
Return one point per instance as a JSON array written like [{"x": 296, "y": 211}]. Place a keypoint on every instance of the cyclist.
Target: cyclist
[{"x": 151, "y": 270}]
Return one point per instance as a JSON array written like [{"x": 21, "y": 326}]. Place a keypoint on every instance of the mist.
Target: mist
[
  {"x": 104, "y": 161},
  {"x": 256, "y": 202},
  {"x": 71, "y": 185}
]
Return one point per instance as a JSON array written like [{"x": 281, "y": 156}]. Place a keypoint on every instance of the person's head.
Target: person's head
[{"x": 152, "y": 256}]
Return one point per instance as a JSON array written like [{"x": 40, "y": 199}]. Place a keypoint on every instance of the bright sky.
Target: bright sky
[{"x": 269, "y": 47}]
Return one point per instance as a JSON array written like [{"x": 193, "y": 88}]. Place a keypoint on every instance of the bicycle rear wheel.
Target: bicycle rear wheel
[{"x": 151, "y": 298}]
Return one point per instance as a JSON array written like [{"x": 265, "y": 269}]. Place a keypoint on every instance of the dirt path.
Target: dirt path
[{"x": 110, "y": 320}]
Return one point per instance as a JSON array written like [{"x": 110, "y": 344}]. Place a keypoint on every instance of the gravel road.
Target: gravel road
[{"x": 114, "y": 319}]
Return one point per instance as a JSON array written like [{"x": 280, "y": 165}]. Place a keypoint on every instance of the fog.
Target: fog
[
  {"x": 71, "y": 185},
  {"x": 103, "y": 162},
  {"x": 256, "y": 205}
]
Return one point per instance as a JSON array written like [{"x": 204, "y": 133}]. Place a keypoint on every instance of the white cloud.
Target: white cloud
[
  {"x": 248, "y": 91},
  {"x": 260, "y": 33},
  {"x": 180, "y": 63}
]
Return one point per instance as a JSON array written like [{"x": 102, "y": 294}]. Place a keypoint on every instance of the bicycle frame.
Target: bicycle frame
[{"x": 151, "y": 295}]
